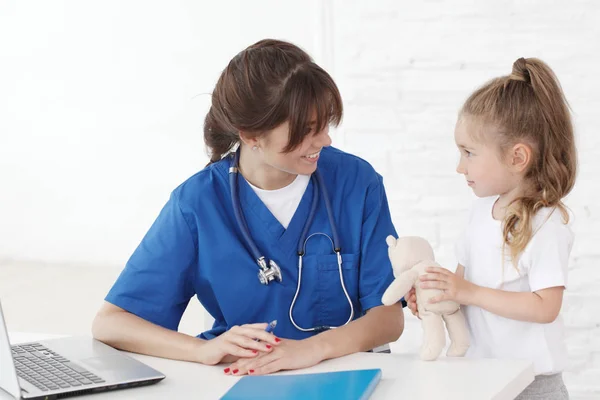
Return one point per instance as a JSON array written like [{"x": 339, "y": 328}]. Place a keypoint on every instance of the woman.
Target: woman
[{"x": 267, "y": 130}]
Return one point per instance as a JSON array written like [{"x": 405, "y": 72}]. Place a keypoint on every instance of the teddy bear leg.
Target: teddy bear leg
[
  {"x": 434, "y": 336},
  {"x": 459, "y": 335}
]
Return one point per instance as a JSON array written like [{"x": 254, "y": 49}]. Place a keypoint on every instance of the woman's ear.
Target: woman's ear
[
  {"x": 249, "y": 140},
  {"x": 520, "y": 157}
]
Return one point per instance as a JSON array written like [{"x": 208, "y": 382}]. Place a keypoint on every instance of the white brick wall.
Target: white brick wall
[{"x": 404, "y": 68}]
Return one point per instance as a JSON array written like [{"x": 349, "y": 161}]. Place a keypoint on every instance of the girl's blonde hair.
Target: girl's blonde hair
[{"x": 528, "y": 106}]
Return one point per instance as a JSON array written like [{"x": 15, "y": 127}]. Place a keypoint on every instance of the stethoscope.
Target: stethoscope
[{"x": 272, "y": 272}]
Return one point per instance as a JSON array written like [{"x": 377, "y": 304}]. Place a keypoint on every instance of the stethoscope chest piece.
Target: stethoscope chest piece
[{"x": 268, "y": 274}]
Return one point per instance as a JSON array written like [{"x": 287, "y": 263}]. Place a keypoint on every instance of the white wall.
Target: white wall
[
  {"x": 101, "y": 112},
  {"x": 405, "y": 67},
  {"x": 101, "y": 108}
]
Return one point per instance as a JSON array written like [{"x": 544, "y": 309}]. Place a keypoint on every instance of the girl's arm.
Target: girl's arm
[{"x": 542, "y": 306}]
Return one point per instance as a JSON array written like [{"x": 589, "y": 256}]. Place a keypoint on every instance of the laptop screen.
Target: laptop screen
[{"x": 8, "y": 374}]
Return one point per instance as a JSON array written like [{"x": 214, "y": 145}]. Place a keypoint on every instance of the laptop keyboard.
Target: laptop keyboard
[{"x": 47, "y": 370}]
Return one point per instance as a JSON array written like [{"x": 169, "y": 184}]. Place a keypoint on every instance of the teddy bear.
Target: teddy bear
[{"x": 410, "y": 256}]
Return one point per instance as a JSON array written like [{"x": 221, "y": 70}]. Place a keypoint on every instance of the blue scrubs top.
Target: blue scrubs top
[{"x": 195, "y": 248}]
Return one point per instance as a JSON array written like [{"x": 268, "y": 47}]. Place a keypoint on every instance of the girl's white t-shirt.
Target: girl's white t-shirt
[
  {"x": 543, "y": 264},
  {"x": 283, "y": 202}
]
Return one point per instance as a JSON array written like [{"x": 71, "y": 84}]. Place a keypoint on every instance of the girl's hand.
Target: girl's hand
[
  {"x": 238, "y": 342},
  {"x": 411, "y": 302},
  {"x": 289, "y": 354},
  {"x": 454, "y": 287}
]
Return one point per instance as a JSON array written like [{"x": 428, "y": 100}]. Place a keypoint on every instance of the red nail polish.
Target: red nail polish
[
  {"x": 277, "y": 340},
  {"x": 251, "y": 371},
  {"x": 255, "y": 351},
  {"x": 268, "y": 346},
  {"x": 235, "y": 371},
  {"x": 226, "y": 370}
]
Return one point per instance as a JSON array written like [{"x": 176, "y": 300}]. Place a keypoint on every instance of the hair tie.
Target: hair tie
[{"x": 520, "y": 72}]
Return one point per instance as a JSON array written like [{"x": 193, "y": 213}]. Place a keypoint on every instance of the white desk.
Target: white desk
[{"x": 404, "y": 376}]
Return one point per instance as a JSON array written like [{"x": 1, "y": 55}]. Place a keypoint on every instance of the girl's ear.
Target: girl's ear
[{"x": 520, "y": 157}]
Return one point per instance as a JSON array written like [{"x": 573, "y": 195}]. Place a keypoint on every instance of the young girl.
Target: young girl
[{"x": 518, "y": 155}]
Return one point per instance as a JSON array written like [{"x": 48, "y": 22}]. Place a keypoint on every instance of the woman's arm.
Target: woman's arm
[
  {"x": 380, "y": 325},
  {"x": 126, "y": 331},
  {"x": 542, "y": 306}
]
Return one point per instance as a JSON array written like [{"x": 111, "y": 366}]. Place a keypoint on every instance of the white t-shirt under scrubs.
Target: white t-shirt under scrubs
[{"x": 283, "y": 202}]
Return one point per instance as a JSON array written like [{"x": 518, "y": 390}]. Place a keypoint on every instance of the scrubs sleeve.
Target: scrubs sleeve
[
  {"x": 375, "y": 274},
  {"x": 157, "y": 282}
]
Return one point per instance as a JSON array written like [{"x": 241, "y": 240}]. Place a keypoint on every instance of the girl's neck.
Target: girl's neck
[
  {"x": 503, "y": 202},
  {"x": 260, "y": 174}
]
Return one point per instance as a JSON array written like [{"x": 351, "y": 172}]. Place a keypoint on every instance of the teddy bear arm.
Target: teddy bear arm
[{"x": 399, "y": 287}]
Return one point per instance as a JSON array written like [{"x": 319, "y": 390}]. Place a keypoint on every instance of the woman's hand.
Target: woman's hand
[
  {"x": 411, "y": 302},
  {"x": 453, "y": 286},
  {"x": 237, "y": 343},
  {"x": 289, "y": 354}
]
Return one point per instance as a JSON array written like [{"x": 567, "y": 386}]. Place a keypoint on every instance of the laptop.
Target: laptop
[{"x": 65, "y": 367}]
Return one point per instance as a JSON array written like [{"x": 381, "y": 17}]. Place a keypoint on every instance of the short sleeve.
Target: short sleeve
[
  {"x": 546, "y": 258},
  {"x": 376, "y": 272},
  {"x": 157, "y": 282}
]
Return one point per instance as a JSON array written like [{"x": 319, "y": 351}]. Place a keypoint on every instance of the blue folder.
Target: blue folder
[{"x": 344, "y": 385}]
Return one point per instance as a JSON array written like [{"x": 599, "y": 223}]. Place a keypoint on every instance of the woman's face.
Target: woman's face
[{"x": 300, "y": 161}]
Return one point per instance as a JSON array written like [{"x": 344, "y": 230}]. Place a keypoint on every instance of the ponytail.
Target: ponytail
[{"x": 218, "y": 137}]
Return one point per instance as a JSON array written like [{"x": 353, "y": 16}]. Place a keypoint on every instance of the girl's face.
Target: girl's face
[
  {"x": 481, "y": 161},
  {"x": 300, "y": 161}
]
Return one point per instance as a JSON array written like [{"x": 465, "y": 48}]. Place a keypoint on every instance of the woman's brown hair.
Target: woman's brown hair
[
  {"x": 528, "y": 106},
  {"x": 263, "y": 86}
]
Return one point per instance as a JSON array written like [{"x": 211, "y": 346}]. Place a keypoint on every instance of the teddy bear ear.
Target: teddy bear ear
[{"x": 391, "y": 241}]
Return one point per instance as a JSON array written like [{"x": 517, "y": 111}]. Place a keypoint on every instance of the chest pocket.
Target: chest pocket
[{"x": 329, "y": 303}]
